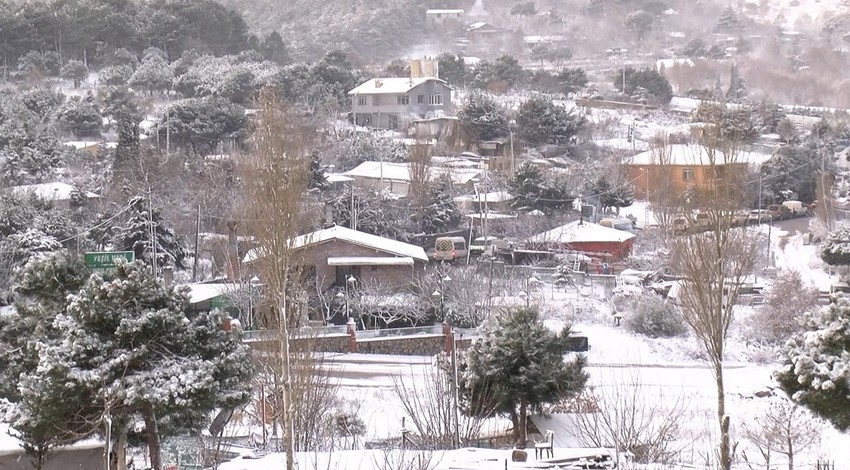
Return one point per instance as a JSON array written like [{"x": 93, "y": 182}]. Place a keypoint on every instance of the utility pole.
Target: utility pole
[
  {"x": 197, "y": 242},
  {"x": 167, "y": 132}
]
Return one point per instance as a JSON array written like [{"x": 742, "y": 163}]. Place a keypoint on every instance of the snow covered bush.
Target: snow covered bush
[
  {"x": 835, "y": 250},
  {"x": 656, "y": 318},
  {"x": 778, "y": 318},
  {"x": 816, "y": 364}
]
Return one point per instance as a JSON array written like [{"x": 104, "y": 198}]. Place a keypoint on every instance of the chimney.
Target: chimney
[
  {"x": 415, "y": 69},
  {"x": 430, "y": 67},
  {"x": 378, "y": 83}
]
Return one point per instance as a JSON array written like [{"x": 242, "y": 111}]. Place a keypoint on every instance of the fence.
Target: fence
[{"x": 417, "y": 341}]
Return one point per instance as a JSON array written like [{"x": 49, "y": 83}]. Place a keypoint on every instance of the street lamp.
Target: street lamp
[{"x": 253, "y": 284}]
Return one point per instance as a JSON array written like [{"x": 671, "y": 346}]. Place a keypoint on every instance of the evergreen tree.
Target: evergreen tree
[
  {"x": 532, "y": 191},
  {"x": 135, "y": 236},
  {"x": 816, "y": 370},
  {"x": 452, "y": 69},
  {"x": 521, "y": 363},
  {"x": 729, "y": 21},
  {"x": 612, "y": 197},
  {"x": 648, "y": 81},
  {"x": 442, "y": 213},
  {"x": 483, "y": 118},
  {"x": 81, "y": 117},
  {"x": 502, "y": 73},
  {"x": 737, "y": 90},
  {"x": 127, "y": 345},
  {"x": 75, "y": 71},
  {"x": 153, "y": 73},
  {"x": 791, "y": 168},
  {"x": 540, "y": 121},
  {"x": 274, "y": 49},
  {"x": 126, "y": 152},
  {"x": 317, "y": 174},
  {"x": 41, "y": 288}
]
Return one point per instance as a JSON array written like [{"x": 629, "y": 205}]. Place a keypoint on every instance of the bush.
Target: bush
[
  {"x": 656, "y": 318},
  {"x": 788, "y": 300}
]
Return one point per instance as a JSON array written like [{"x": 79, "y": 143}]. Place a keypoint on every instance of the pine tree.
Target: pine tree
[
  {"x": 317, "y": 174},
  {"x": 128, "y": 347},
  {"x": 135, "y": 236},
  {"x": 816, "y": 370},
  {"x": 442, "y": 213},
  {"x": 41, "y": 288},
  {"x": 521, "y": 363},
  {"x": 737, "y": 90},
  {"x": 482, "y": 118}
]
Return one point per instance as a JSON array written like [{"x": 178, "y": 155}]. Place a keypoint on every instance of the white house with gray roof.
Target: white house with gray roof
[{"x": 392, "y": 103}]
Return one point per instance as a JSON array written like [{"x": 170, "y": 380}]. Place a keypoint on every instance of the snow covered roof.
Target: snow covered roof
[
  {"x": 370, "y": 261},
  {"x": 202, "y": 292},
  {"x": 695, "y": 155},
  {"x": 355, "y": 237},
  {"x": 481, "y": 25},
  {"x": 392, "y": 86},
  {"x": 582, "y": 232},
  {"x": 496, "y": 196},
  {"x": 443, "y": 12},
  {"x": 55, "y": 191},
  {"x": 337, "y": 178},
  {"x": 401, "y": 172}
]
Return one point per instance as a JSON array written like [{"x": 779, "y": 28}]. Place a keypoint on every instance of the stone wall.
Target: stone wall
[
  {"x": 412, "y": 345},
  {"x": 424, "y": 345}
]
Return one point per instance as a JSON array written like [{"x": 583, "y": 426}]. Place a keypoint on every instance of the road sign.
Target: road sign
[{"x": 107, "y": 260}]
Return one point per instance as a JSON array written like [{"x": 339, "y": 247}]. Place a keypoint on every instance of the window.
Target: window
[
  {"x": 420, "y": 99},
  {"x": 403, "y": 99},
  {"x": 392, "y": 121},
  {"x": 361, "y": 100},
  {"x": 435, "y": 99},
  {"x": 687, "y": 174}
]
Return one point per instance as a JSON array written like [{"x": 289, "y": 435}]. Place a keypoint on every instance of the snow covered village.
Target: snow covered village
[{"x": 424, "y": 234}]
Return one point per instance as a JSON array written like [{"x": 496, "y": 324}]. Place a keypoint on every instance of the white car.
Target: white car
[
  {"x": 758, "y": 216},
  {"x": 483, "y": 244}
]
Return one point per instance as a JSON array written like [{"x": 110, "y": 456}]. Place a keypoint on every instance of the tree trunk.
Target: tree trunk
[
  {"x": 516, "y": 423},
  {"x": 152, "y": 433},
  {"x": 523, "y": 423},
  {"x": 725, "y": 457},
  {"x": 790, "y": 453},
  {"x": 121, "y": 448}
]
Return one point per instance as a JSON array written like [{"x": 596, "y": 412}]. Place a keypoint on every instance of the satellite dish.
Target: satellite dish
[{"x": 220, "y": 421}]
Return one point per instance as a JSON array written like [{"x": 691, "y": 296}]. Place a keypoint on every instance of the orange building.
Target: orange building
[{"x": 681, "y": 167}]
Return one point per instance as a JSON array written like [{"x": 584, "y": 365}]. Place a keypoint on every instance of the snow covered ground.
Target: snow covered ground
[{"x": 668, "y": 370}]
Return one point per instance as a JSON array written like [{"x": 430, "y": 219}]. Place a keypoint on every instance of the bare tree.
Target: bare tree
[
  {"x": 661, "y": 192},
  {"x": 432, "y": 415},
  {"x": 275, "y": 174},
  {"x": 377, "y": 302},
  {"x": 714, "y": 263},
  {"x": 419, "y": 161},
  {"x": 784, "y": 428},
  {"x": 631, "y": 417}
]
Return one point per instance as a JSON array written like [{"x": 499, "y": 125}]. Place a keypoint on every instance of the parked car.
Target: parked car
[
  {"x": 774, "y": 211},
  {"x": 483, "y": 245},
  {"x": 740, "y": 218},
  {"x": 680, "y": 225},
  {"x": 795, "y": 208},
  {"x": 450, "y": 249},
  {"x": 758, "y": 216},
  {"x": 620, "y": 223}
]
